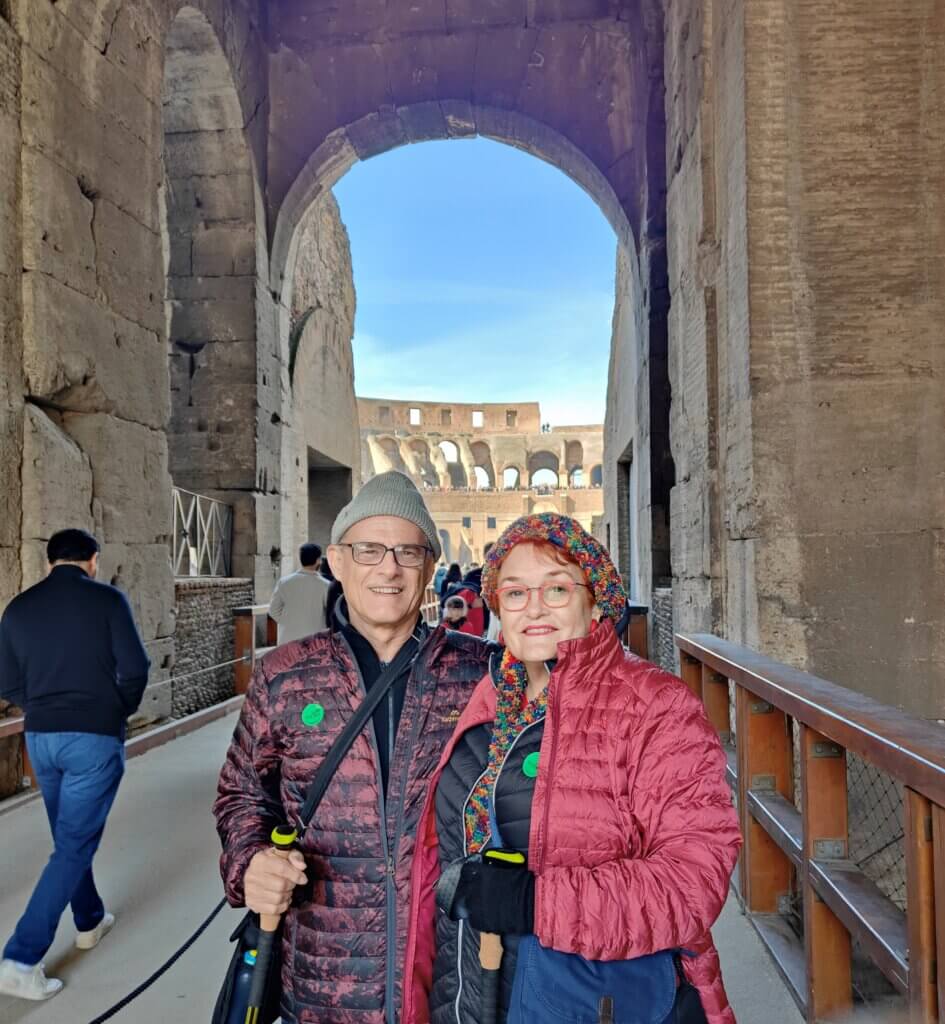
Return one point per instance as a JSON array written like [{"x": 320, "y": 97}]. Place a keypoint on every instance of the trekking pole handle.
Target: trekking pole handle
[{"x": 283, "y": 838}]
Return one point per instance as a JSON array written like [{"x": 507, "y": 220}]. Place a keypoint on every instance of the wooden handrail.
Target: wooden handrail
[
  {"x": 895, "y": 741},
  {"x": 812, "y": 844}
]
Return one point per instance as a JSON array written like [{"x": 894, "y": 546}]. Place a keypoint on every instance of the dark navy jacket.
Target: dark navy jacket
[{"x": 70, "y": 655}]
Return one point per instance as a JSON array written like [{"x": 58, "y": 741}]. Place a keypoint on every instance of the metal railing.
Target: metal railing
[
  {"x": 798, "y": 844},
  {"x": 202, "y": 534}
]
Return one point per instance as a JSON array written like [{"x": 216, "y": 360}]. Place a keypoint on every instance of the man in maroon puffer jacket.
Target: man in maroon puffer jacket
[{"x": 345, "y": 891}]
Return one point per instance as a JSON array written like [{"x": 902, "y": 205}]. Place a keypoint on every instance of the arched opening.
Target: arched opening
[
  {"x": 484, "y": 469},
  {"x": 423, "y": 465},
  {"x": 543, "y": 469},
  {"x": 455, "y": 464},
  {"x": 597, "y": 475},
  {"x": 457, "y": 474},
  {"x": 544, "y": 479},
  {"x": 209, "y": 235},
  {"x": 574, "y": 456},
  {"x": 576, "y": 477},
  {"x": 390, "y": 446},
  {"x": 511, "y": 478}
]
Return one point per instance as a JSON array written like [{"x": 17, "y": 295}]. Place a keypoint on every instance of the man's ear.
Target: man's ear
[{"x": 335, "y": 557}]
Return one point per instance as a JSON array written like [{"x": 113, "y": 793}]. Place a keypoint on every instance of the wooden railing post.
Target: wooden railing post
[
  {"x": 691, "y": 671},
  {"x": 938, "y": 867},
  {"x": 244, "y": 646},
  {"x": 824, "y": 814},
  {"x": 920, "y": 896},
  {"x": 765, "y": 765},
  {"x": 715, "y": 696},
  {"x": 637, "y": 633}
]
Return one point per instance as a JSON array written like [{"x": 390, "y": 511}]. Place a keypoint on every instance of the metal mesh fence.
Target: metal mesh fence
[{"x": 877, "y": 827}]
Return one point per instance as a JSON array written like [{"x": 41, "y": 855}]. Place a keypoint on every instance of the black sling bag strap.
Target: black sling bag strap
[{"x": 349, "y": 734}]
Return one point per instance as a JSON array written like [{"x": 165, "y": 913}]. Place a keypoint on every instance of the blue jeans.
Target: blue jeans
[{"x": 78, "y": 773}]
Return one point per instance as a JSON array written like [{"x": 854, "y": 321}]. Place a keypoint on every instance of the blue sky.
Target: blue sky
[{"x": 482, "y": 275}]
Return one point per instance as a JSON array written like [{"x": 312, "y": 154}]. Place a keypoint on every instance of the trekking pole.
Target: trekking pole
[
  {"x": 490, "y": 960},
  {"x": 490, "y": 946},
  {"x": 283, "y": 837}
]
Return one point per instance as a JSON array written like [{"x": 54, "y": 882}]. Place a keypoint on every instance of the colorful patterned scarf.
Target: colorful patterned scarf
[{"x": 513, "y": 713}]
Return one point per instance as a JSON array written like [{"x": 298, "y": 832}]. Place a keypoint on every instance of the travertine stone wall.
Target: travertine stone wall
[
  {"x": 321, "y": 450},
  {"x": 11, "y": 337},
  {"x": 628, "y": 530},
  {"x": 204, "y": 637},
  {"x": 806, "y": 249},
  {"x": 846, "y": 231}
]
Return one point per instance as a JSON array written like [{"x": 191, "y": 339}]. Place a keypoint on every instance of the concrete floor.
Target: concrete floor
[{"x": 157, "y": 871}]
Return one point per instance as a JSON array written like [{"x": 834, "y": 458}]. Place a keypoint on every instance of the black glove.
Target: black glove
[{"x": 495, "y": 897}]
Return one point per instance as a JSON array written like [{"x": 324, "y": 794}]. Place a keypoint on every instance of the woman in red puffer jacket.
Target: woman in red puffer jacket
[{"x": 599, "y": 767}]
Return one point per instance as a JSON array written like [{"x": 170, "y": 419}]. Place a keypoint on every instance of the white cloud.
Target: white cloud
[{"x": 554, "y": 352}]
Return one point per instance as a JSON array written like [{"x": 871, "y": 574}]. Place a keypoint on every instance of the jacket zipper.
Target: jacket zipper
[
  {"x": 553, "y": 715},
  {"x": 459, "y": 937},
  {"x": 391, "y": 868},
  {"x": 385, "y": 846}
]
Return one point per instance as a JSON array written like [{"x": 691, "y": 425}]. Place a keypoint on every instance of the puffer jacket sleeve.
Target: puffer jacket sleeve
[
  {"x": 688, "y": 837},
  {"x": 247, "y": 808}
]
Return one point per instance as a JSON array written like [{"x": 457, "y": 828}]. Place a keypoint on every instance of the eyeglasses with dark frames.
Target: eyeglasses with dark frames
[
  {"x": 407, "y": 556},
  {"x": 514, "y": 598}
]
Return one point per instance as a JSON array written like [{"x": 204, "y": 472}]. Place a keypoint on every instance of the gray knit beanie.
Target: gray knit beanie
[{"x": 387, "y": 494}]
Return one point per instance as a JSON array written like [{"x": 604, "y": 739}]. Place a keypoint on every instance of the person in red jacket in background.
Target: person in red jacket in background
[{"x": 597, "y": 765}]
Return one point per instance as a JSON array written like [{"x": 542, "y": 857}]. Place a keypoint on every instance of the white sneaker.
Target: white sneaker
[
  {"x": 90, "y": 939},
  {"x": 26, "y": 982}
]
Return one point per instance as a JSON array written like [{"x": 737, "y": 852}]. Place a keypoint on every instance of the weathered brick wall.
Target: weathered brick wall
[
  {"x": 662, "y": 649},
  {"x": 204, "y": 637}
]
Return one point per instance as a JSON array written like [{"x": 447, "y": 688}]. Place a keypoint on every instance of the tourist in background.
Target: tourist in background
[
  {"x": 298, "y": 602},
  {"x": 453, "y": 575},
  {"x": 71, "y": 657},
  {"x": 601, "y": 769}
]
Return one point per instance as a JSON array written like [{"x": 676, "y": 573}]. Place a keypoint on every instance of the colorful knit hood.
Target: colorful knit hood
[{"x": 568, "y": 534}]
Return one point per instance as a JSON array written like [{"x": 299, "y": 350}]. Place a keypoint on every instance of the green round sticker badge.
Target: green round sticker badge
[
  {"x": 530, "y": 765},
  {"x": 312, "y": 714}
]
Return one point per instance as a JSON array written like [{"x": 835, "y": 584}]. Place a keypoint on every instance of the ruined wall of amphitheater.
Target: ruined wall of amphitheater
[{"x": 418, "y": 438}]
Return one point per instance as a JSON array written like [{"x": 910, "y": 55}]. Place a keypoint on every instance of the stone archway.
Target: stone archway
[{"x": 543, "y": 462}]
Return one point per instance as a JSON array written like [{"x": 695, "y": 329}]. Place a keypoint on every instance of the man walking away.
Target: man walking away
[
  {"x": 298, "y": 602},
  {"x": 71, "y": 657}
]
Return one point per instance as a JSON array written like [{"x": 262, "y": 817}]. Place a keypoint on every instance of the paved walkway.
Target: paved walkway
[{"x": 157, "y": 868}]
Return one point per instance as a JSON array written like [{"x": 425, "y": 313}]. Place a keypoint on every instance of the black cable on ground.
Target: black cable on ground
[{"x": 148, "y": 982}]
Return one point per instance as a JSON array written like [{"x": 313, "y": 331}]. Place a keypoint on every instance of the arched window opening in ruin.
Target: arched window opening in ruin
[
  {"x": 545, "y": 462},
  {"x": 423, "y": 464},
  {"x": 209, "y": 242},
  {"x": 544, "y": 479},
  {"x": 446, "y": 348},
  {"x": 482, "y": 455},
  {"x": 511, "y": 478},
  {"x": 597, "y": 475},
  {"x": 574, "y": 455},
  {"x": 577, "y": 478}
]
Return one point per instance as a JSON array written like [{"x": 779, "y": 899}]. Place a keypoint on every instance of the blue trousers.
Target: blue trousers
[{"x": 78, "y": 773}]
